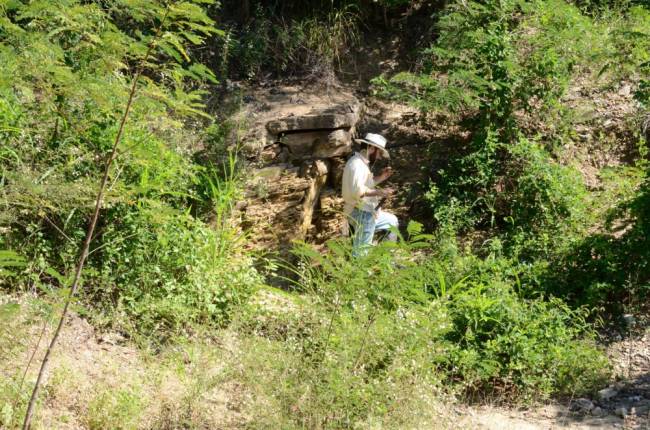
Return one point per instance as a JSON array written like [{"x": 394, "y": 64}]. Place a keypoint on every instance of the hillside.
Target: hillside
[{"x": 172, "y": 222}]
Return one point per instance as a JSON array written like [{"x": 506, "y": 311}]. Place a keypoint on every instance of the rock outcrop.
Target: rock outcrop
[
  {"x": 297, "y": 142},
  {"x": 296, "y": 145}
]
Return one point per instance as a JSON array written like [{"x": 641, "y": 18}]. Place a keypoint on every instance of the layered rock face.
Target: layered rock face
[{"x": 297, "y": 144}]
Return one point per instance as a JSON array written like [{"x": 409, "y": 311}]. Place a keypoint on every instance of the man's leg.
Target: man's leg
[
  {"x": 386, "y": 221},
  {"x": 363, "y": 224}
]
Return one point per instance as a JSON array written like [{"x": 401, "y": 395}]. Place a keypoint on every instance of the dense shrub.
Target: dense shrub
[
  {"x": 516, "y": 189},
  {"x": 609, "y": 267},
  {"x": 547, "y": 204},
  {"x": 389, "y": 326},
  {"x": 519, "y": 348},
  {"x": 166, "y": 270},
  {"x": 496, "y": 59},
  {"x": 71, "y": 65},
  {"x": 504, "y": 58},
  {"x": 503, "y": 67}
]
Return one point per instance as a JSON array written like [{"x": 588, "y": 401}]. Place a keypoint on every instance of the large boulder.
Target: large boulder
[
  {"x": 327, "y": 121},
  {"x": 318, "y": 144},
  {"x": 301, "y": 145},
  {"x": 338, "y": 143}
]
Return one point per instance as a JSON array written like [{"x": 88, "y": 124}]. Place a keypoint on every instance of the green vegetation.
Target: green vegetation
[
  {"x": 155, "y": 259},
  {"x": 269, "y": 44},
  {"x": 436, "y": 319},
  {"x": 502, "y": 300},
  {"x": 507, "y": 79},
  {"x": 116, "y": 410}
]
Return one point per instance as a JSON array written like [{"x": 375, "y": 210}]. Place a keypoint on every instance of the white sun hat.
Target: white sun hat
[{"x": 376, "y": 140}]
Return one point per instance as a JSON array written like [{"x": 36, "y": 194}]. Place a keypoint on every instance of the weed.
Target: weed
[{"x": 119, "y": 409}]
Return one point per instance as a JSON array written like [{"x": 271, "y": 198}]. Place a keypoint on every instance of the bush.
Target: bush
[
  {"x": 547, "y": 205},
  {"x": 535, "y": 205},
  {"x": 493, "y": 59},
  {"x": 517, "y": 349},
  {"x": 166, "y": 270},
  {"x": 610, "y": 267},
  {"x": 391, "y": 326},
  {"x": 501, "y": 59},
  {"x": 344, "y": 368}
]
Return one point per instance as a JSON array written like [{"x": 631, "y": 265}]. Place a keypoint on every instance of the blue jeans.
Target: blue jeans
[{"x": 364, "y": 224}]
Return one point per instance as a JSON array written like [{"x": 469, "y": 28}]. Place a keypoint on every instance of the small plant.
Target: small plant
[
  {"x": 13, "y": 402},
  {"x": 115, "y": 409}
]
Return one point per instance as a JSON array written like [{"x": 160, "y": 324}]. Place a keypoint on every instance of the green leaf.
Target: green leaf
[
  {"x": 413, "y": 228},
  {"x": 10, "y": 259}
]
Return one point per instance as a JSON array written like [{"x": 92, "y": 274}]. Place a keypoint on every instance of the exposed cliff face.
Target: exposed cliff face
[{"x": 296, "y": 143}]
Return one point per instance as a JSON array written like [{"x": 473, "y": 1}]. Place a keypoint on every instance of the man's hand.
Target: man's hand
[
  {"x": 377, "y": 192},
  {"x": 386, "y": 192},
  {"x": 385, "y": 174}
]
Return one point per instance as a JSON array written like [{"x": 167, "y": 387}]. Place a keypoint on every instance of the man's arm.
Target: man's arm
[{"x": 385, "y": 192}]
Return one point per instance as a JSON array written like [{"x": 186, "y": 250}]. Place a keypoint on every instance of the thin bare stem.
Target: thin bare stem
[
  {"x": 91, "y": 228},
  {"x": 371, "y": 320},
  {"x": 56, "y": 227},
  {"x": 46, "y": 322}
]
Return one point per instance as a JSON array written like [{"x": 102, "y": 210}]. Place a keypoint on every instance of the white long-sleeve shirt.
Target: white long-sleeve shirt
[{"x": 357, "y": 180}]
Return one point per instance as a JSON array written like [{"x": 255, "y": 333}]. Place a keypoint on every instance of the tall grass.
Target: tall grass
[
  {"x": 315, "y": 45},
  {"x": 224, "y": 190}
]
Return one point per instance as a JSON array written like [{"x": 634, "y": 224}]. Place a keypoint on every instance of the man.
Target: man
[{"x": 362, "y": 198}]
